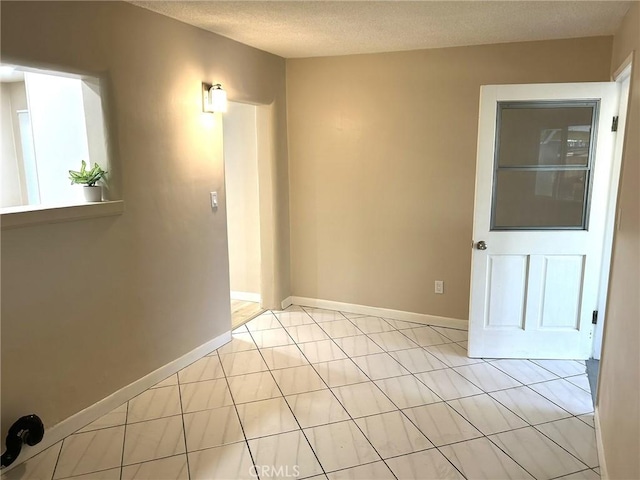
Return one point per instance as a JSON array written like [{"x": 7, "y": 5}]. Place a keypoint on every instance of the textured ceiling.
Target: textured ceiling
[{"x": 322, "y": 28}]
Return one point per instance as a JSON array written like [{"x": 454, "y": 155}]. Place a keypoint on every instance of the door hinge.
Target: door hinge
[
  {"x": 614, "y": 124},
  {"x": 594, "y": 317}
]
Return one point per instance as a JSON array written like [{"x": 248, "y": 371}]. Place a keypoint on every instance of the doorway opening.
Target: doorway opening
[
  {"x": 240, "y": 140},
  {"x": 623, "y": 79}
]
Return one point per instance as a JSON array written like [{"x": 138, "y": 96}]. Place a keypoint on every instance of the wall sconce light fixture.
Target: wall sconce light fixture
[{"x": 214, "y": 98}]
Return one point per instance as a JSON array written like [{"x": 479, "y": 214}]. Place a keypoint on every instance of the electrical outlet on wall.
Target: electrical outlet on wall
[{"x": 439, "y": 286}]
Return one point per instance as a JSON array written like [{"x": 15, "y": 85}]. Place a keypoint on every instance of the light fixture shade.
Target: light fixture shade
[{"x": 218, "y": 99}]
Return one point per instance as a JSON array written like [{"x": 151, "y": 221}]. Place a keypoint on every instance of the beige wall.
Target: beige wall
[
  {"x": 90, "y": 306},
  {"x": 619, "y": 388},
  {"x": 382, "y": 155},
  {"x": 241, "y": 184}
]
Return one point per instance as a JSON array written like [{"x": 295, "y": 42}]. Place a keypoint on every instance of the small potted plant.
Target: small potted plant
[{"x": 88, "y": 178}]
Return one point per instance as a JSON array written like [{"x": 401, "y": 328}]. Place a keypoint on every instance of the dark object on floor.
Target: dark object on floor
[
  {"x": 28, "y": 429},
  {"x": 593, "y": 367}
]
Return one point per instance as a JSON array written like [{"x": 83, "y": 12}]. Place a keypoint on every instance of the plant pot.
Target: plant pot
[{"x": 92, "y": 194}]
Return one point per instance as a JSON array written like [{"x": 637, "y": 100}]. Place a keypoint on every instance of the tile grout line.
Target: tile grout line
[
  {"x": 132, "y": 464},
  {"x": 483, "y": 435},
  {"x": 362, "y": 332},
  {"x": 400, "y": 410},
  {"x": 560, "y": 477},
  {"x": 123, "y": 424},
  {"x": 383, "y": 351},
  {"x": 558, "y": 377},
  {"x": 520, "y": 384},
  {"x": 53, "y": 473},
  {"x": 515, "y": 413},
  {"x": 417, "y": 345},
  {"x": 555, "y": 403},
  {"x": 74, "y": 477},
  {"x": 129, "y": 465},
  {"x": 483, "y": 392},
  {"x": 408, "y": 374},
  {"x": 124, "y": 439},
  {"x": 508, "y": 455},
  {"x": 561, "y": 408},
  {"x": 488, "y": 437},
  {"x": 452, "y": 367},
  {"x": 412, "y": 374},
  {"x": 338, "y": 400},
  {"x": 520, "y": 381},
  {"x": 284, "y": 398},
  {"x": 184, "y": 427},
  {"x": 437, "y": 447},
  {"x": 528, "y": 424},
  {"x": 352, "y": 419},
  {"x": 540, "y": 382},
  {"x": 562, "y": 447},
  {"x": 549, "y": 370},
  {"x": 235, "y": 407},
  {"x": 528, "y": 386}
]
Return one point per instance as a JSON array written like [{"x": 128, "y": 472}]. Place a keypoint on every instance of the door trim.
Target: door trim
[{"x": 623, "y": 78}]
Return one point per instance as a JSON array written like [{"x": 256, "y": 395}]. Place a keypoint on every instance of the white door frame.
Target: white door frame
[{"x": 623, "y": 78}]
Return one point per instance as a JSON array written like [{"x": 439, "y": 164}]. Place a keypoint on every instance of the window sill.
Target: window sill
[{"x": 28, "y": 215}]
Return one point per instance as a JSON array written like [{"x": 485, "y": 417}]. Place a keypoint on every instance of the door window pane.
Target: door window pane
[
  {"x": 539, "y": 198},
  {"x": 545, "y": 135},
  {"x": 543, "y": 165}
]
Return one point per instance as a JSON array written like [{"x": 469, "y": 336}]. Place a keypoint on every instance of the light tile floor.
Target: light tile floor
[{"x": 311, "y": 393}]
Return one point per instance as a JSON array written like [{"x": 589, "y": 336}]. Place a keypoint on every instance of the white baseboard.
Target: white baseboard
[
  {"x": 604, "y": 474},
  {"x": 246, "y": 296},
  {"x": 287, "y": 302},
  {"x": 84, "y": 417},
  {"x": 380, "y": 312}
]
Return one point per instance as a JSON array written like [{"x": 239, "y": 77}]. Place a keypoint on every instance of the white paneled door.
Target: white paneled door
[{"x": 542, "y": 183}]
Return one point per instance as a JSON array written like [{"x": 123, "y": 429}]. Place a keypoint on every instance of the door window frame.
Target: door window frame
[{"x": 502, "y": 105}]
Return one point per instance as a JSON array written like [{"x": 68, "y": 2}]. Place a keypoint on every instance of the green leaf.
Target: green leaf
[{"x": 86, "y": 177}]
